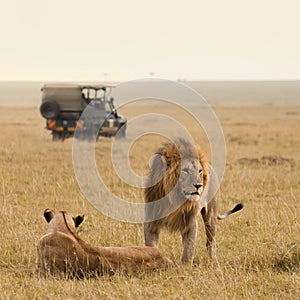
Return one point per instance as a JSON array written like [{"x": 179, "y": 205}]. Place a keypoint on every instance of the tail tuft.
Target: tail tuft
[
  {"x": 234, "y": 210},
  {"x": 238, "y": 207}
]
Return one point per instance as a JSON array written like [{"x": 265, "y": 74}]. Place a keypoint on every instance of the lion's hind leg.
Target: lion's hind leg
[{"x": 210, "y": 220}]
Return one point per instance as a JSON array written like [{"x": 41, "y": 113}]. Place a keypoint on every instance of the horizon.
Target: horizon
[{"x": 28, "y": 93}]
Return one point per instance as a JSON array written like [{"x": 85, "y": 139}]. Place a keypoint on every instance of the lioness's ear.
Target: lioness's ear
[
  {"x": 48, "y": 214},
  {"x": 78, "y": 220}
]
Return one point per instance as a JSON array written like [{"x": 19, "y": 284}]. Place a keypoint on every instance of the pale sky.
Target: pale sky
[{"x": 193, "y": 39}]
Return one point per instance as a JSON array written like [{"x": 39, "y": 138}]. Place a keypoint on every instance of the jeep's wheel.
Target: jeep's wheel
[
  {"x": 49, "y": 109},
  {"x": 55, "y": 136}
]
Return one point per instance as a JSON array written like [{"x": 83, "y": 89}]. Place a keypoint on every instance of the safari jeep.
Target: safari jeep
[{"x": 63, "y": 104}]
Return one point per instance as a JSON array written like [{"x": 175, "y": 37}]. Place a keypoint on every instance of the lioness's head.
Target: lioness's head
[
  {"x": 185, "y": 169},
  {"x": 62, "y": 221}
]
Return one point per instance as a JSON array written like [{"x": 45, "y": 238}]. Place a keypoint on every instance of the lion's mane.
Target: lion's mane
[{"x": 167, "y": 161}]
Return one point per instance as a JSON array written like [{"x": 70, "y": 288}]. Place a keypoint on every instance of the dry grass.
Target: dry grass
[{"x": 258, "y": 249}]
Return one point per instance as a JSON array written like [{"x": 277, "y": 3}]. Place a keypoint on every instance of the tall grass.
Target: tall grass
[{"x": 258, "y": 248}]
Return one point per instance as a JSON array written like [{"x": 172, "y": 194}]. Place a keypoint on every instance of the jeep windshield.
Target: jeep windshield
[{"x": 99, "y": 97}]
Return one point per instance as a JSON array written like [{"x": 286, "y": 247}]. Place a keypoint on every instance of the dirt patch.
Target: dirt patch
[
  {"x": 292, "y": 113},
  {"x": 270, "y": 160},
  {"x": 288, "y": 261},
  {"x": 243, "y": 124},
  {"x": 245, "y": 140}
]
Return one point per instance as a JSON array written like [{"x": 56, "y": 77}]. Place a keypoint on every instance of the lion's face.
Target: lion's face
[
  {"x": 178, "y": 172},
  {"x": 191, "y": 181}
]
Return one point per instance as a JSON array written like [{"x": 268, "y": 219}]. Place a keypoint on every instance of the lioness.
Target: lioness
[
  {"x": 180, "y": 174},
  {"x": 62, "y": 252}
]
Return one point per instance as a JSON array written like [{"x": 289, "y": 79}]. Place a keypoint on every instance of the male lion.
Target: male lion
[
  {"x": 182, "y": 177},
  {"x": 62, "y": 252}
]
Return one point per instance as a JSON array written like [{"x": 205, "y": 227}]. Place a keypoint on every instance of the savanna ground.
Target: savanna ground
[{"x": 258, "y": 248}]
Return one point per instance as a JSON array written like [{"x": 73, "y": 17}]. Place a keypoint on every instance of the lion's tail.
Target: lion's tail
[{"x": 232, "y": 211}]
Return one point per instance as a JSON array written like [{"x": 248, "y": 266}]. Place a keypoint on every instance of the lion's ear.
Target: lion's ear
[
  {"x": 158, "y": 160},
  {"x": 48, "y": 214},
  {"x": 78, "y": 220}
]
